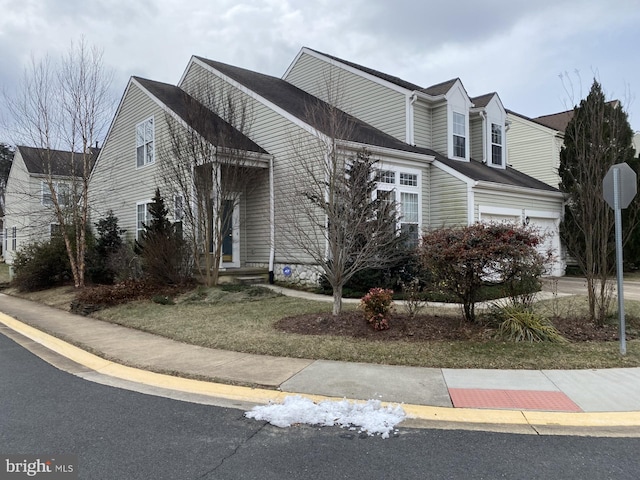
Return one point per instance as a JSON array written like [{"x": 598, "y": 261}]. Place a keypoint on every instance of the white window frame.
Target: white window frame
[
  {"x": 47, "y": 200},
  {"x": 496, "y": 144},
  {"x": 145, "y": 139},
  {"x": 455, "y": 128},
  {"x": 178, "y": 207},
  {"x": 398, "y": 188},
  {"x": 140, "y": 228},
  {"x": 14, "y": 238}
]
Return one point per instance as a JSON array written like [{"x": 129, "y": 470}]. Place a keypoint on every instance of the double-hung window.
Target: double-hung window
[
  {"x": 142, "y": 218},
  {"x": 496, "y": 144},
  {"x": 62, "y": 190},
  {"x": 459, "y": 135},
  {"x": 402, "y": 187},
  {"x": 145, "y": 135},
  {"x": 14, "y": 238}
]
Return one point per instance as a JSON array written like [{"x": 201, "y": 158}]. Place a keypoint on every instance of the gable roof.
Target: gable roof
[
  {"x": 440, "y": 88},
  {"x": 557, "y": 121},
  {"x": 62, "y": 163},
  {"x": 205, "y": 122},
  {"x": 309, "y": 109},
  {"x": 376, "y": 73},
  {"x": 483, "y": 100},
  {"x": 434, "y": 90},
  {"x": 296, "y": 102}
]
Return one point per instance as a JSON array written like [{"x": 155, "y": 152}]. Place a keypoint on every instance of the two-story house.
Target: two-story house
[
  {"x": 29, "y": 210},
  {"x": 442, "y": 154},
  {"x": 470, "y": 179}
]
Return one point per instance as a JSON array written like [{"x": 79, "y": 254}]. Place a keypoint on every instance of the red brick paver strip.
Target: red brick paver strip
[{"x": 512, "y": 399}]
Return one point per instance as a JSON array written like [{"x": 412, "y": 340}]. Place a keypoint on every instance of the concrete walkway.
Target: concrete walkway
[{"x": 539, "y": 398}]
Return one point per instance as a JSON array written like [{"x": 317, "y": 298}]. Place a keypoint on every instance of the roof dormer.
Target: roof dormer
[
  {"x": 458, "y": 107},
  {"x": 490, "y": 119}
]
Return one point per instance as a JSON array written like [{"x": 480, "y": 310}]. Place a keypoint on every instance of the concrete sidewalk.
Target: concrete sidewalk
[{"x": 581, "y": 398}]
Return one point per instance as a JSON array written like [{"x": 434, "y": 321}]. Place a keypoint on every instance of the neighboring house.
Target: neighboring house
[
  {"x": 636, "y": 143},
  {"x": 441, "y": 153},
  {"x": 29, "y": 212},
  {"x": 535, "y": 143}
]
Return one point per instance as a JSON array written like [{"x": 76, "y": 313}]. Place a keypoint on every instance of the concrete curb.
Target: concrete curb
[{"x": 426, "y": 413}]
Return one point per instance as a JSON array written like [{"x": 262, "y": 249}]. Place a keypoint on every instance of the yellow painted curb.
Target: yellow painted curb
[{"x": 261, "y": 396}]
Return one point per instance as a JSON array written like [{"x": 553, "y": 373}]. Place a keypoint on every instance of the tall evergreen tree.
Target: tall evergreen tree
[
  {"x": 164, "y": 254},
  {"x": 597, "y": 137}
]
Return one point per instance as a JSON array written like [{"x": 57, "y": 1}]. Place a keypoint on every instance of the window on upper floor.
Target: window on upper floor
[
  {"x": 496, "y": 144},
  {"x": 459, "y": 135},
  {"x": 145, "y": 135},
  {"x": 62, "y": 190}
]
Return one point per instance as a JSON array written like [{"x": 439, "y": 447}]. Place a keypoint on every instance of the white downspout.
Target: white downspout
[
  {"x": 483, "y": 115},
  {"x": 272, "y": 226},
  {"x": 411, "y": 137}
]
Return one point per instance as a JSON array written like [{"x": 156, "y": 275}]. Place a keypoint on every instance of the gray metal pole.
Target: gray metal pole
[{"x": 618, "y": 219}]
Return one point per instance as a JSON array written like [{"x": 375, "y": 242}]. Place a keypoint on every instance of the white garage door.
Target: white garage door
[{"x": 546, "y": 227}]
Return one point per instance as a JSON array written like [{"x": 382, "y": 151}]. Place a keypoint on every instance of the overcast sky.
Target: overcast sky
[{"x": 520, "y": 49}]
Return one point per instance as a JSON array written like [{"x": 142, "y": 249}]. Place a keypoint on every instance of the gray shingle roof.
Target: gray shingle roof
[
  {"x": 478, "y": 171},
  {"x": 389, "y": 78},
  {"x": 297, "y": 102},
  {"x": 482, "y": 100},
  {"x": 309, "y": 109},
  {"x": 61, "y": 163},
  {"x": 213, "y": 128},
  {"x": 438, "y": 89}
]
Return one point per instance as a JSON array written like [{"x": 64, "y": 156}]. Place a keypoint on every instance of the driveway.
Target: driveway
[{"x": 578, "y": 286}]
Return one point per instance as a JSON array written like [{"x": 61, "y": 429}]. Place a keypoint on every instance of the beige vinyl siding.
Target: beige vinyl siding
[
  {"x": 440, "y": 130},
  {"x": 255, "y": 227},
  {"x": 533, "y": 149},
  {"x": 282, "y": 139},
  {"x": 448, "y": 200},
  {"x": 23, "y": 209},
  {"x": 380, "y": 106},
  {"x": 116, "y": 183},
  {"x": 422, "y": 125},
  {"x": 498, "y": 198},
  {"x": 477, "y": 139},
  {"x": 426, "y": 197}
]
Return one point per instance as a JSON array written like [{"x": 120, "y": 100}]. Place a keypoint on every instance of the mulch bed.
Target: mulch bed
[{"x": 432, "y": 328}]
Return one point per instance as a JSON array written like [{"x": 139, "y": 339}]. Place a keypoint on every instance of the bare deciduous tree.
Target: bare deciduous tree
[
  {"x": 336, "y": 218},
  {"x": 66, "y": 106},
  {"x": 210, "y": 164}
]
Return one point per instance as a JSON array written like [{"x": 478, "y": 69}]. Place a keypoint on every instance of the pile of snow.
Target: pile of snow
[{"x": 371, "y": 416}]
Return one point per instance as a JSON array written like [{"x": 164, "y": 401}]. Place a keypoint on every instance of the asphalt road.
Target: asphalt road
[{"x": 120, "y": 434}]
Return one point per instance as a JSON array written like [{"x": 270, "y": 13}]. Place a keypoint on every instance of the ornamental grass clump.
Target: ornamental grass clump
[
  {"x": 377, "y": 307},
  {"x": 520, "y": 324}
]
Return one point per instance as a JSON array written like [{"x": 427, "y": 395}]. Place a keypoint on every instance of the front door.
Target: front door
[{"x": 230, "y": 233}]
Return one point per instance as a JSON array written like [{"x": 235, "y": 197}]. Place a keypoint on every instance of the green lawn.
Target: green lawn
[
  {"x": 236, "y": 321},
  {"x": 242, "y": 320}
]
